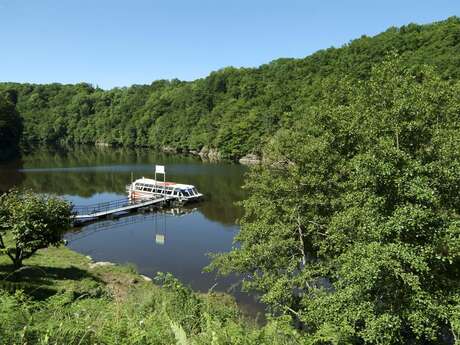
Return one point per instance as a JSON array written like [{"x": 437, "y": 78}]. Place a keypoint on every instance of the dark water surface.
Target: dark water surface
[{"x": 176, "y": 241}]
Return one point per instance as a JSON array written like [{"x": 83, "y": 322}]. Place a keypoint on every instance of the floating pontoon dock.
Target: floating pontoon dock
[{"x": 104, "y": 209}]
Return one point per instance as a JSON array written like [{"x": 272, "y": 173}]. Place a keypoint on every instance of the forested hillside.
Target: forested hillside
[
  {"x": 10, "y": 124},
  {"x": 233, "y": 111}
]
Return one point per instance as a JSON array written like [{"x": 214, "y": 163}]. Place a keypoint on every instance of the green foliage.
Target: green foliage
[
  {"x": 114, "y": 305},
  {"x": 29, "y": 222},
  {"x": 149, "y": 315},
  {"x": 352, "y": 224},
  {"x": 235, "y": 111}
]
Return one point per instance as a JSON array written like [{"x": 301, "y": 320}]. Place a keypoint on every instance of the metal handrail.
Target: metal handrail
[{"x": 108, "y": 205}]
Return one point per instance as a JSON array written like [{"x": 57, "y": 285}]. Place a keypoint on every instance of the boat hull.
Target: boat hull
[{"x": 141, "y": 195}]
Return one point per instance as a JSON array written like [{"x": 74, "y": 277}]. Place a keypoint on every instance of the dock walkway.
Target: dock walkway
[{"x": 95, "y": 211}]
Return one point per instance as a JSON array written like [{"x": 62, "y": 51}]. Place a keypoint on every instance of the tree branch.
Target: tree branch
[
  {"x": 302, "y": 244},
  {"x": 27, "y": 255},
  {"x": 292, "y": 311},
  {"x": 10, "y": 256}
]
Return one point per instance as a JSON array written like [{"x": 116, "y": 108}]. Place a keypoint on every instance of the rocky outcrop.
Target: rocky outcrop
[
  {"x": 209, "y": 154},
  {"x": 250, "y": 159},
  {"x": 102, "y": 144},
  {"x": 147, "y": 279},
  {"x": 100, "y": 264},
  {"x": 169, "y": 149}
]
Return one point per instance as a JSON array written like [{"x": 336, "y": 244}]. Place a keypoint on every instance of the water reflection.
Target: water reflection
[
  {"x": 133, "y": 239},
  {"x": 125, "y": 219},
  {"x": 91, "y": 171}
]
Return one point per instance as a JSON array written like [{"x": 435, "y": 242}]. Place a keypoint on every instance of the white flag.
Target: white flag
[{"x": 159, "y": 169}]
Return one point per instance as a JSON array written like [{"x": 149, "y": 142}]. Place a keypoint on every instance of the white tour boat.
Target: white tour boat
[{"x": 149, "y": 188}]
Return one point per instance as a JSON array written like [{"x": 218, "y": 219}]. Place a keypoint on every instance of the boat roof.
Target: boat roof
[{"x": 161, "y": 183}]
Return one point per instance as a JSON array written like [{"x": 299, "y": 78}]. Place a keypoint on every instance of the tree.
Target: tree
[
  {"x": 29, "y": 222},
  {"x": 352, "y": 223}
]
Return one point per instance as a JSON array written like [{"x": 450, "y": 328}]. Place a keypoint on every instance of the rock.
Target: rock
[
  {"x": 214, "y": 155},
  {"x": 168, "y": 149},
  {"x": 147, "y": 279},
  {"x": 250, "y": 159},
  {"x": 203, "y": 152},
  {"x": 101, "y": 264},
  {"x": 209, "y": 154},
  {"x": 100, "y": 143}
]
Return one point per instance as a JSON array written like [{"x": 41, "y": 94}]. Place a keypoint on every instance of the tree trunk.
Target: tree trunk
[
  {"x": 17, "y": 263},
  {"x": 17, "y": 258}
]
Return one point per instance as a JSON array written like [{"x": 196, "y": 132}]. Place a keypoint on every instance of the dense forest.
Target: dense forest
[{"x": 233, "y": 111}]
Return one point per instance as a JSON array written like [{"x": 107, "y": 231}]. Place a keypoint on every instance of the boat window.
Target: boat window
[
  {"x": 185, "y": 192},
  {"x": 195, "y": 191},
  {"x": 147, "y": 189}
]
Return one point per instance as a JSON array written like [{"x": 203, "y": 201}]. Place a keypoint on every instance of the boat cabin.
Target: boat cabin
[{"x": 148, "y": 188}]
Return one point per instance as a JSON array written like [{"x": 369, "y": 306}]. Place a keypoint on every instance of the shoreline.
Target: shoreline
[
  {"x": 205, "y": 154},
  {"x": 57, "y": 270}
]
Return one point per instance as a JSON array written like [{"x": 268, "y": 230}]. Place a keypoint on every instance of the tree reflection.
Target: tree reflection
[{"x": 87, "y": 170}]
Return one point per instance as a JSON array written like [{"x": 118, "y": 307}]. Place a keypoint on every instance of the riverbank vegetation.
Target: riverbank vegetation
[
  {"x": 352, "y": 223},
  {"x": 51, "y": 295},
  {"x": 61, "y": 297},
  {"x": 233, "y": 111}
]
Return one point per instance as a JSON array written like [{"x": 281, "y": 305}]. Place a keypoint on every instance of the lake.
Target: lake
[{"x": 176, "y": 241}]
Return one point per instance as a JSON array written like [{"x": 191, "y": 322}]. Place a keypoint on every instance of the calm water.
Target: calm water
[{"x": 177, "y": 241}]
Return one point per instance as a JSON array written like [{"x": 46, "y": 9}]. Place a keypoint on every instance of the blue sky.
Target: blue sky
[{"x": 119, "y": 43}]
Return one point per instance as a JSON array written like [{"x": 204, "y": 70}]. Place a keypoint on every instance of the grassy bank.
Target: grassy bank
[{"x": 61, "y": 297}]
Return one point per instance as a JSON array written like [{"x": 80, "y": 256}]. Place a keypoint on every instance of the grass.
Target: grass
[{"x": 59, "y": 297}]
